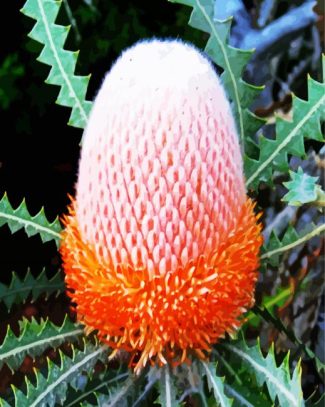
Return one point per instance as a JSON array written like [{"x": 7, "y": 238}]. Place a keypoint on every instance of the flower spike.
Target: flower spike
[{"x": 161, "y": 245}]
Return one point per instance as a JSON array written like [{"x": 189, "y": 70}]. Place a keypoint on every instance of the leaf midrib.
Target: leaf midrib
[
  {"x": 232, "y": 77},
  {"x": 58, "y": 61},
  {"x": 208, "y": 373},
  {"x": 38, "y": 343},
  {"x": 55, "y": 287},
  {"x": 318, "y": 230},
  {"x": 27, "y": 223},
  {"x": 65, "y": 375},
  {"x": 123, "y": 391},
  {"x": 267, "y": 374},
  {"x": 286, "y": 141}
]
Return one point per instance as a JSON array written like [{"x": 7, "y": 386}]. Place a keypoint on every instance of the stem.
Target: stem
[{"x": 303, "y": 239}]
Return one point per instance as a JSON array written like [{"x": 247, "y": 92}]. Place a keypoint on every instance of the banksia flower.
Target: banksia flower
[{"x": 161, "y": 244}]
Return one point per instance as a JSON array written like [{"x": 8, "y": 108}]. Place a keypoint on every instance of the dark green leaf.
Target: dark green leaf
[
  {"x": 19, "y": 290},
  {"x": 62, "y": 62},
  {"x": 20, "y": 218},
  {"x": 34, "y": 338}
]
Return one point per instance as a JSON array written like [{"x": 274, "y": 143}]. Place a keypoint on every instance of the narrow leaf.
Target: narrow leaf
[
  {"x": 231, "y": 60},
  {"x": 19, "y": 289},
  {"x": 34, "y": 339},
  {"x": 52, "y": 389},
  {"x": 273, "y": 154},
  {"x": 167, "y": 396},
  {"x": 62, "y": 62},
  {"x": 268, "y": 317},
  {"x": 278, "y": 379},
  {"x": 93, "y": 389},
  {"x": 216, "y": 384},
  {"x": 120, "y": 393},
  {"x": 20, "y": 218},
  {"x": 291, "y": 239}
]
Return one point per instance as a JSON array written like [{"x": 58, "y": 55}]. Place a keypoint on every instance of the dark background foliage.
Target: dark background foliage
[{"x": 39, "y": 152}]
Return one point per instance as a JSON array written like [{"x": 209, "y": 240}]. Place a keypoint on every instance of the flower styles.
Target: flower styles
[{"x": 161, "y": 245}]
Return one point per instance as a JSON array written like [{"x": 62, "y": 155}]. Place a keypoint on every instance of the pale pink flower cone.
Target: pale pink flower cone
[{"x": 162, "y": 208}]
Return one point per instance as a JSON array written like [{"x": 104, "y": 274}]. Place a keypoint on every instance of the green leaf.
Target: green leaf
[
  {"x": 302, "y": 189},
  {"x": 246, "y": 396},
  {"x": 34, "y": 339},
  {"x": 94, "y": 388},
  {"x": 277, "y": 379},
  {"x": 19, "y": 290},
  {"x": 62, "y": 62},
  {"x": 20, "y": 218},
  {"x": 291, "y": 239},
  {"x": 270, "y": 303},
  {"x": 52, "y": 389},
  {"x": 270, "y": 318},
  {"x": 167, "y": 390},
  {"x": 232, "y": 60},
  {"x": 215, "y": 383},
  {"x": 273, "y": 154},
  {"x": 121, "y": 393}
]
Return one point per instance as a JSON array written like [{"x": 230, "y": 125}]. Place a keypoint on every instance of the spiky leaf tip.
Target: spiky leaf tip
[
  {"x": 289, "y": 138},
  {"x": 63, "y": 62},
  {"x": 20, "y": 218},
  {"x": 34, "y": 338},
  {"x": 20, "y": 289},
  {"x": 278, "y": 379},
  {"x": 302, "y": 188}
]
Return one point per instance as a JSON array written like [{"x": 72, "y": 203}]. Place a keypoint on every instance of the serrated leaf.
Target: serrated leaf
[
  {"x": 277, "y": 379},
  {"x": 231, "y": 60},
  {"x": 34, "y": 338},
  {"x": 52, "y": 389},
  {"x": 19, "y": 289},
  {"x": 268, "y": 317},
  {"x": 273, "y": 154},
  {"x": 62, "y": 62},
  {"x": 94, "y": 388},
  {"x": 291, "y": 239},
  {"x": 167, "y": 390},
  {"x": 120, "y": 395},
  {"x": 20, "y": 218},
  {"x": 302, "y": 188},
  {"x": 216, "y": 384}
]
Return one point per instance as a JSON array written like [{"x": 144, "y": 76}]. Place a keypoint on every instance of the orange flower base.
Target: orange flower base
[{"x": 163, "y": 318}]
